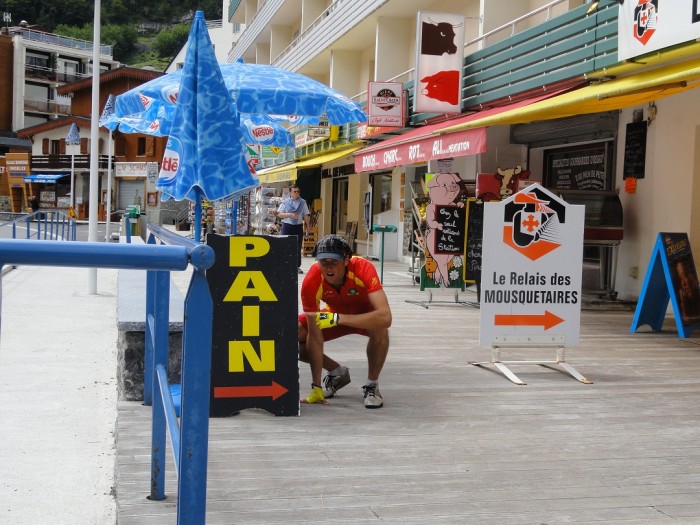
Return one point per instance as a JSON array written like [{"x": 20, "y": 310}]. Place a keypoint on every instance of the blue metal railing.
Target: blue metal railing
[
  {"x": 190, "y": 437},
  {"x": 45, "y": 225}
]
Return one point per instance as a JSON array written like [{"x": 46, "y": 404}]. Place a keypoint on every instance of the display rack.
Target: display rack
[{"x": 417, "y": 242}]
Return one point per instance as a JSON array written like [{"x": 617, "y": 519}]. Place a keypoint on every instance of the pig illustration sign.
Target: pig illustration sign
[{"x": 531, "y": 267}]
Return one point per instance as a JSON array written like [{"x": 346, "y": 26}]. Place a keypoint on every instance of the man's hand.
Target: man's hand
[{"x": 326, "y": 320}]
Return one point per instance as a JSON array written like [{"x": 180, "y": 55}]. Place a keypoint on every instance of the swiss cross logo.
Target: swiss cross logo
[
  {"x": 645, "y": 19},
  {"x": 532, "y": 223}
]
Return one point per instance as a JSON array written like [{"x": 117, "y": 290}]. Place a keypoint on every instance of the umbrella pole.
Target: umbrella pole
[
  {"x": 108, "y": 204},
  {"x": 198, "y": 215}
]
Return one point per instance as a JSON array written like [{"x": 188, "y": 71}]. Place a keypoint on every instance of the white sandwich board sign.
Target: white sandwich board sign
[{"x": 531, "y": 268}]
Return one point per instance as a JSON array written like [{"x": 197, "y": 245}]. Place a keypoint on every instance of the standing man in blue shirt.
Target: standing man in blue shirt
[{"x": 296, "y": 218}]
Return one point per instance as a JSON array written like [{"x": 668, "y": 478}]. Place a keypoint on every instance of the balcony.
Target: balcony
[
  {"x": 63, "y": 162},
  {"x": 46, "y": 106},
  {"x": 44, "y": 73},
  {"x": 62, "y": 41}
]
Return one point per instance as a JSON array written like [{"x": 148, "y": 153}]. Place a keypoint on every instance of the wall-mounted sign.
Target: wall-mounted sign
[
  {"x": 131, "y": 169},
  {"x": 635, "y": 150},
  {"x": 439, "y": 59},
  {"x": 579, "y": 167},
  {"x": 644, "y": 26}
]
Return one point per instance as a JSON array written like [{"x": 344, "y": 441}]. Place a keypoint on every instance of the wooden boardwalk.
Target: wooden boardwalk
[{"x": 455, "y": 443}]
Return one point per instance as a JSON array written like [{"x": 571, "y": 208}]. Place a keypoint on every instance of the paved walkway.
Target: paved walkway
[
  {"x": 454, "y": 443},
  {"x": 58, "y": 399}
]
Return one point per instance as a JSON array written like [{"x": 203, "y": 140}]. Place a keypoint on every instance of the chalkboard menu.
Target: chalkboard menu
[
  {"x": 449, "y": 239},
  {"x": 579, "y": 167},
  {"x": 635, "y": 150},
  {"x": 474, "y": 236}
]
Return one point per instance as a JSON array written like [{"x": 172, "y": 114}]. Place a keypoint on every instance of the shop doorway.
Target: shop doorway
[
  {"x": 131, "y": 192},
  {"x": 339, "y": 220}
]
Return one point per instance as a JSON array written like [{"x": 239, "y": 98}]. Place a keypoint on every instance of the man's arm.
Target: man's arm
[{"x": 378, "y": 317}]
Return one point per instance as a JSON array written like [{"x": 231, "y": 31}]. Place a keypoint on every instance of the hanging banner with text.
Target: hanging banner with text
[
  {"x": 531, "y": 267},
  {"x": 253, "y": 284}
]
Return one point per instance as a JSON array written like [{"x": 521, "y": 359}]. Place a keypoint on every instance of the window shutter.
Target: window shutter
[
  {"x": 62, "y": 147},
  {"x": 150, "y": 147},
  {"x": 84, "y": 149},
  {"x": 120, "y": 146},
  {"x": 45, "y": 147}
]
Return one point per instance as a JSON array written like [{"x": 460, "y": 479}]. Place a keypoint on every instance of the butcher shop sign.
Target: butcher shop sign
[{"x": 439, "y": 57}]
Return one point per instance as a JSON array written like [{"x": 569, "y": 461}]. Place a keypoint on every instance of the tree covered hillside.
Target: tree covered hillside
[{"x": 142, "y": 32}]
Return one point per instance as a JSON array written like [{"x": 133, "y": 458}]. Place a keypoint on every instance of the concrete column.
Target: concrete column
[
  {"x": 345, "y": 71},
  {"x": 395, "y": 44},
  {"x": 280, "y": 38},
  {"x": 262, "y": 53},
  {"x": 310, "y": 11}
]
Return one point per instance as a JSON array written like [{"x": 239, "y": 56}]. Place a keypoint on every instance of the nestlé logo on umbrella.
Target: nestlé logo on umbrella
[{"x": 171, "y": 162}]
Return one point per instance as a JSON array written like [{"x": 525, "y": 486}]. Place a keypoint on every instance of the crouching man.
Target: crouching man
[{"x": 354, "y": 302}]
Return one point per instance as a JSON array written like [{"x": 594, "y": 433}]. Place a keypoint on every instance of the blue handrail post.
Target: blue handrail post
[
  {"x": 196, "y": 383},
  {"x": 157, "y": 317}
]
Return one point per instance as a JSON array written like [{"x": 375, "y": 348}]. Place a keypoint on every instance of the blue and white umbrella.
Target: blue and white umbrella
[
  {"x": 206, "y": 154},
  {"x": 256, "y": 89}
]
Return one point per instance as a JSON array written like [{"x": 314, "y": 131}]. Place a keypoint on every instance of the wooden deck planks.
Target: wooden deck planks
[{"x": 456, "y": 443}]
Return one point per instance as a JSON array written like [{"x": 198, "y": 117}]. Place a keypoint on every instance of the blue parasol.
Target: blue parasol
[
  {"x": 257, "y": 89},
  {"x": 205, "y": 156},
  {"x": 204, "y": 109}
]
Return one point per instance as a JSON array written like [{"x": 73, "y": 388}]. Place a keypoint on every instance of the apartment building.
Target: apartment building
[
  {"x": 542, "y": 80},
  {"x": 42, "y": 62},
  {"x": 34, "y": 64}
]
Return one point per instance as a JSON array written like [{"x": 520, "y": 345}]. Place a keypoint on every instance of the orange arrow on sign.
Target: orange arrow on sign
[
  {"x": 546, "y": 320},
  {"x": 274, "y": 391}
]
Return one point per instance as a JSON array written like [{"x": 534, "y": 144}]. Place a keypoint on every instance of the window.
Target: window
[
  {"x": 141, "y": 147},
  {"x": 381, "y": 193}
]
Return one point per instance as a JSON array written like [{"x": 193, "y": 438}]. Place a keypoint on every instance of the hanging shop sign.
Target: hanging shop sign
[
  {"x": 385, "y": 104},
  {"x": 439, "y": 57},
  {"x": 531, "y": 267},
  {"x": 254, "y": 325}
]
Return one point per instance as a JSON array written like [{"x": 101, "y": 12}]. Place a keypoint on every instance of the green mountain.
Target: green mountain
[
  {"x": 78, "y": 13},
  {"x": 142, "y": 33}
]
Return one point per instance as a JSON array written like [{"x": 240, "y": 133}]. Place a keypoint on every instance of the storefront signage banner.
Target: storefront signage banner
[
  {"x": 385, "y": 104},
  {"x": 280, "y": 176},
  {"x": 439, "y": 57},
  {"x": 17, "y": 164},
  {"x": 131, "y": 169},
  {"x": 460, "y": 144},
  {"x": 648, "y": 26}
]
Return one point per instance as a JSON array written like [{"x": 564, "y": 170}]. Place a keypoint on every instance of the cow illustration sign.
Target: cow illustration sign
[
  {"x": 531, "y": 267},
  {"x": 439, "y": 57}
]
